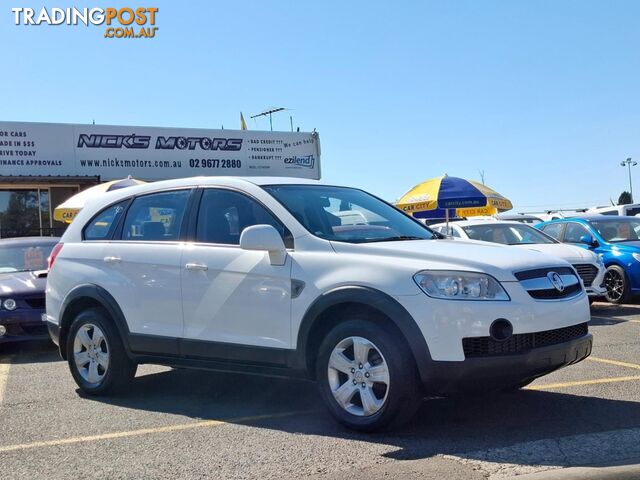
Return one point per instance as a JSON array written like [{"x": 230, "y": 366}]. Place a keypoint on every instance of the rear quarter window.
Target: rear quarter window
[{"x": 102, "y": 226}]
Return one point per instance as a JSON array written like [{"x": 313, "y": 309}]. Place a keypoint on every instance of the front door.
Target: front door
[{"x": 231, "y": 296}]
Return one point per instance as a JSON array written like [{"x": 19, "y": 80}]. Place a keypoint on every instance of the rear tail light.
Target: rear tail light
[{"x": 54, "y": 253}]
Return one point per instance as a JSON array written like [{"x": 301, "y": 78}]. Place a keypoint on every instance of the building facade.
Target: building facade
[{"x": 43, "y": 164}]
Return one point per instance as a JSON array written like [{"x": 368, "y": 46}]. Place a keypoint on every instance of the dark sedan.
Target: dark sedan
[{"x": 23, "y": 279}]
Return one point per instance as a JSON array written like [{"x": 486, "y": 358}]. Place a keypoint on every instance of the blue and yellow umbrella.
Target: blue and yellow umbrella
[{"x": 446, "y": 196}]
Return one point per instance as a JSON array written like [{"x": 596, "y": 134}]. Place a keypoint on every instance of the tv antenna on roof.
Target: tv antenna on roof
[{"x": 269, "y": 112}]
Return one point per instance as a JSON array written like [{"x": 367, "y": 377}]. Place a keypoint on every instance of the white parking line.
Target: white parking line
[
  {"x": 4, "y": 376},
  {"x": 149, "y": 431}
]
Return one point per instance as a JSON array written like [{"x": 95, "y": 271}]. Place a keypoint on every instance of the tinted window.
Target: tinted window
[
  {"x": 347, "y": 214},
  {"x": 553, "y": 229},
  {"x": 224, "y": 214},
  {"x": 102, "y": 225},
  {"x": 632, "y": 212},
  {"x": 573, "y": 232},
  {"x": 156, "y": 217}
]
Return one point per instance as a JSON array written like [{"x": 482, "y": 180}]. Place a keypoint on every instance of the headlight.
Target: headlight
[
  {"x": 9, "y": 304},
  {"x": 601, "y": 259},
  {"x": 636, "y": 256},
  {"x": 460, "y": 285}
]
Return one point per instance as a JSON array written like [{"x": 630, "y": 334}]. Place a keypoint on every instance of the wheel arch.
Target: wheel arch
[
  {"x": 319, "y": 319},
  {"x": 86, "y": 296}
]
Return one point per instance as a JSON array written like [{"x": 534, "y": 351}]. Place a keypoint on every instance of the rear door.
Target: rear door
[
  {"x": 144, "y": 266},
  {"x": 230, "y": 295}
]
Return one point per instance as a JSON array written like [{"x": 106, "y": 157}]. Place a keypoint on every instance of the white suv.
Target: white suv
[{"x": 261, "y": 275}]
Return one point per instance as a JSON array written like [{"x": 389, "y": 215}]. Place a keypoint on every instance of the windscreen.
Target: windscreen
[{"x": 347, "y": 214}]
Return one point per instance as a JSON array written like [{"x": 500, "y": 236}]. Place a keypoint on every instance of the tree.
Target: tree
[{"x": 624, "y": 198}]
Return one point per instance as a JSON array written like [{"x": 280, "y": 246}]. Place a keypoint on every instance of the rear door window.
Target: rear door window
[{"x": 156, "y": 217}]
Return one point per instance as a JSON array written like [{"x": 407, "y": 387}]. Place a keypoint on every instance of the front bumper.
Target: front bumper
[
  {"x": 494, "y": 373},
  {"x": 23, "y": 325},
  {"x": 596, "y": 291},
  {"x": 444, "y": 323}
]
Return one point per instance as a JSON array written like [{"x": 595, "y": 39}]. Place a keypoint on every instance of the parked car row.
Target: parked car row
[
  {"x": 604, "y": 248},
  {"x": 589, "y": 266},
  {"x": 295, "y": 278}
]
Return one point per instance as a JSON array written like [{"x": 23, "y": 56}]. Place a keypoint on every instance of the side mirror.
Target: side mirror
[
  {"x": 589, "y": 240},
  {"x": 264, "y": 238}
]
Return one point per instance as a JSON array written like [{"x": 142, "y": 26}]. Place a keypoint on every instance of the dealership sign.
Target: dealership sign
[{"x": 152, "y": 153}]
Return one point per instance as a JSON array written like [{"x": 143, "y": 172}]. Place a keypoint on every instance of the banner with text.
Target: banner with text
[{"x": 153, "y": 153}]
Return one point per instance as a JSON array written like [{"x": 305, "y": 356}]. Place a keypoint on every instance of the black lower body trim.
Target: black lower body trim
[
  {"x": 184, "y": 348},
  {"x": 494, "y": 373}
]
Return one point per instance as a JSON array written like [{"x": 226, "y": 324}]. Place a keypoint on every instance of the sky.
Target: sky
[{"x": 543, "y": 96}]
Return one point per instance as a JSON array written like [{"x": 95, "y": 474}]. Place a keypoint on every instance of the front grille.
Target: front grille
[
  {"x": 552, "y": 293},
  {"x": 587, "y": 273},
  {"x": 538, "y": 285},
  {"x": 522, "y": 342},
  {"x": 542, "y": 272},
  {"x": 35, "y": 302}
]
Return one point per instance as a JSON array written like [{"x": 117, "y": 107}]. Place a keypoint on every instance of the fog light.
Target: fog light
[
  {"x": 501, "y": 329},
  {"x": 9, "y": 304},
  {"x": 3, "y": 330}
]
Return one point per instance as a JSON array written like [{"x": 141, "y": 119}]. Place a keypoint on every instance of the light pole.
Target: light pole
[{"x": 629, "y": 163}]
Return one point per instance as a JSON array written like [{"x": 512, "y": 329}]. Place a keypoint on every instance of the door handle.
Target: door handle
[
  {"x": 199, "y": 267},
  {"x": 112, "y": 259}
]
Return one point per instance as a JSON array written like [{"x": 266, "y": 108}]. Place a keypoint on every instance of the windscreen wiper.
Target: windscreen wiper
[{"x": 396, "y": 238}]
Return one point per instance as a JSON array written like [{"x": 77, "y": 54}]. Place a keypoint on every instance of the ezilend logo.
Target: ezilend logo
[{"x": 307, "y": 161}]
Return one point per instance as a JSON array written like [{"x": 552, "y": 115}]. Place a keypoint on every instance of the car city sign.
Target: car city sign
[{"x": 123, "y": 22}]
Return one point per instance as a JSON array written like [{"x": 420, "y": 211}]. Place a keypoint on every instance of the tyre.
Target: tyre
[
  {"x": 367, "y": 376},
  {"x": 96, "y": 355},
  {"x": 617, "y": 284}
]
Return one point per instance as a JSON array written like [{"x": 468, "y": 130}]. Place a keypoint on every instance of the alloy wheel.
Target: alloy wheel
[
  {"x": 358, "y": 376},
  {"x": 614, "y": 282},
  {"x": 91, "y": 353}
]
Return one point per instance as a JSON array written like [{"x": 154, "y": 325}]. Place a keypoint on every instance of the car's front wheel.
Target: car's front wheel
[
  {"x": 367, "y": 376},
  {"x": 96, "y": 355},
  {"x": 617, "y": 285}
]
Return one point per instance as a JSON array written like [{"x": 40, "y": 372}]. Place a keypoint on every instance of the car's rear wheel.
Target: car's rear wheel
[
  {"x": 96, "y": 355},
  {"x": 367, "y": 376},
  {"x": 617, "y": 285}
]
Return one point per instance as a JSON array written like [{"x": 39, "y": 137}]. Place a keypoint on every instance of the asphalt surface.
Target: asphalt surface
[{"x": 197, "y": 424}]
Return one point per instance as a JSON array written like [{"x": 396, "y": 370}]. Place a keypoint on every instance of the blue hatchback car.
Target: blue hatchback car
[{"x": 615, "y": 238}]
